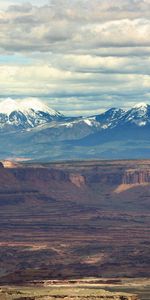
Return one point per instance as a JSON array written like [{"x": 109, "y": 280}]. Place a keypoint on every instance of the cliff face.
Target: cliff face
[
  {"x": 136, "y": 176},
  {"x": 82, "y": 178},
  {"x": 113, "y": 176}
]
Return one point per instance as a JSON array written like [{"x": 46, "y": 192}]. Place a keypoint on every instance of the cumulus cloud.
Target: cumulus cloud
[
  {"x": 68, "y": 25},
  {"x": 87, "y": 53}
]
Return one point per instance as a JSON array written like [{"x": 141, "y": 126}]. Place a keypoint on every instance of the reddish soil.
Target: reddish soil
[{"x": 74, "y": 220}]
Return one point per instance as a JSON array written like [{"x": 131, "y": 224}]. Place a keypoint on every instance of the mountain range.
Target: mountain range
[{"x": 33, "y": 131}]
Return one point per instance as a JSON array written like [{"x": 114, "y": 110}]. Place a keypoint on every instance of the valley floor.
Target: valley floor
[{"x": 84, "y": 289}]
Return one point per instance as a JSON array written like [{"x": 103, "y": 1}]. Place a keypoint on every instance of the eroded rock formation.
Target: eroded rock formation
[
  {"x": 81, "y": 176},
  {"x": 77, "y": 179},
  {"x": 138, "y": 176}
]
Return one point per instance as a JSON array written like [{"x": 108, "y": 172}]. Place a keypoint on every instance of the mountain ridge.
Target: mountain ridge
[
  {"x": 33, "y": 113},
  {"x": 33, "y": 134}
]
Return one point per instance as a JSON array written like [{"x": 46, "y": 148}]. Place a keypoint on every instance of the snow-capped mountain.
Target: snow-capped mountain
[
  {"x": 40, "y": 133},
  {"x": 32, "y": 113},
  {"x": 110, "y": 118},
  {"x": 138, "y": 115},
  {"x": 26, "y": 114}
]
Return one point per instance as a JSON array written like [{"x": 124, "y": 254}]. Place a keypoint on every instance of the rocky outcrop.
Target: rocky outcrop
[
  {"x": 136, "y": 176},
  {"x": 77, "y": 179}
]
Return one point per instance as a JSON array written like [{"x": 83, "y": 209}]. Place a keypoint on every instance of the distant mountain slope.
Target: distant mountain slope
[{"x": 36, "y": 132}]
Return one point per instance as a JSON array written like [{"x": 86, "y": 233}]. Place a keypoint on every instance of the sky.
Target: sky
[{"x": 79, "y": 56}]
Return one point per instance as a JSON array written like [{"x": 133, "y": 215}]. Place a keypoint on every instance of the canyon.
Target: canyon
[{"x": 74, "y": 219}]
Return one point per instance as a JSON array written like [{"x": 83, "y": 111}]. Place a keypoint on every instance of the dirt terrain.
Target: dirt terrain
[
  {"x": 84, "y": 289},
  {"x": 74, "y": 220}
]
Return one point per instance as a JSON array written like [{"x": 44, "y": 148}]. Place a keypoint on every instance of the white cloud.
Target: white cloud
[
  {"x": 66, "y": 25},
  {"x": 83, "y": 50}
]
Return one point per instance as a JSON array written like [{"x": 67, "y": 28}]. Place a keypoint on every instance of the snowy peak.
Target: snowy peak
[
  {"x": 9, "y": 105},
  {"x": 139, "y": 115},
  {"x": 110, "y": 118},
  {"x": 141, "y": 105},
  {"x": 114, "y": 113},
  {"x": 141, "y": 109},
  {"x": 26, "y": 113}
]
